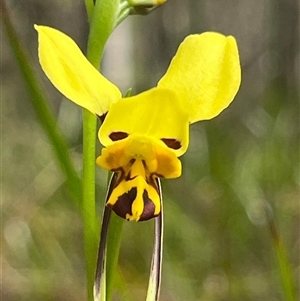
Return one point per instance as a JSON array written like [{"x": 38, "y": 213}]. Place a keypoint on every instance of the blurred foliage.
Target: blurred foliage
[{"x": 240, "y": 174}]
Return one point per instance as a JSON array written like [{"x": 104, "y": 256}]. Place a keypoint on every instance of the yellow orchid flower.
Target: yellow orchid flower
[{"x": 144, "y": 135}]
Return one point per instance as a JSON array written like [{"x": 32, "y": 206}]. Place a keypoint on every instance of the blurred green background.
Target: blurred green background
[{"x": 240, "y": 174}]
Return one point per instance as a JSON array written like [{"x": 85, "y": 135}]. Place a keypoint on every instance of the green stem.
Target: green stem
[
  {"x": 89, "y": 5},
  {"x": 88, "y": 204},
  {"x": 104, "y": 17},
  {"x": 102, "y": 22},
  {"x": 112, "y": 255},
  {"x": 124, "y": 11},
  {"x": 39, "y": 102}
]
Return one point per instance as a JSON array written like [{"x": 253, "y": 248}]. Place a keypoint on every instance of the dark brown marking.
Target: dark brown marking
[
  {"x": 114, "y": 182},
  {"x": 152, "y": 180},
  {"x": 128, "y": 176},
  {"x": 171, "y": 143},
  {"x": 131, "y": 161},
  {"x": 124, "y": 203},
  {"x": 116, "y": 179},
  {"x": 102, "y": 117},
  {"x": 115, "y": 136},
  {"x": 149, "y": 208}
]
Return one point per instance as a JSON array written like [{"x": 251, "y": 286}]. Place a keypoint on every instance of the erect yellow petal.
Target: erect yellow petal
[
  {"x": 156, "y": 113},
  {"x": 72, "y": 74},
  {"x": 205, "y": 74}
]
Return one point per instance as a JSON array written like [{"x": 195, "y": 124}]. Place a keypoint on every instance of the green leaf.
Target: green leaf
[
  {"x": 39, "y": 101},
  {"x": 283, "y": 263}
]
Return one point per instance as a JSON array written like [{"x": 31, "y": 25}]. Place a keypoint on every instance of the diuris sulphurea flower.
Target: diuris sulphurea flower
[{"x": 143, "y": 135}]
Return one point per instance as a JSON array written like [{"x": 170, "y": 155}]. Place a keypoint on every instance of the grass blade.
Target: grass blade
[
  {"x": 283, "y": 263},
  {"x": 39, "y": 101}
]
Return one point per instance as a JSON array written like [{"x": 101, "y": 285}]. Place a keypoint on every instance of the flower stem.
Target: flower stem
[
  {"x": 89, "y": 5},
  {"x": 88, "y": 204},
  {"x": 102, "y": 22}
]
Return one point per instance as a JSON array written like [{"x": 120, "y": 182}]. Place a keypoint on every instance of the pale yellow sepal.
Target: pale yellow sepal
[
  {"x": 156, "y": 113},
  {"x": 72, "y": 74},
  {"x": 205, "y": 74}
]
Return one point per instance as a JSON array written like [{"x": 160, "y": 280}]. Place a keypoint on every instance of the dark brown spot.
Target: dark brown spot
[
  {"x": 124, "y": 203},
  {"x": 132, "y": 160},
  {"x": 152, "y": 180},
  {"x": 102, "y": 117},
  {"x": 149, "y": 208},
  {"x": 115, "y": 136},
  {"x": 115, "y": 180},
  {"x": 171, "y": 143},
  {"x": 144, "y": 164},
  {"x": 128, "y": 176}
]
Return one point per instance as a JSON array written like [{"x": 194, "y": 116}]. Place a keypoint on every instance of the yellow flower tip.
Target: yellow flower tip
[
  {"x": 205, "y": 74},
  {"x": 42, "y": 29},
  {"x": 147, "y": 3},
  {"x": 72, "y": 74},
  {"x": 138, "y": 162}
]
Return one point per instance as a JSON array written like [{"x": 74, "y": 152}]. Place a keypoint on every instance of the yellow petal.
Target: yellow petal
[
  {"x": 72, "y": 74},
  {"x": 155, "y": 114},
  {"x": 157, "y": 157},
  {"x": 205, "y": 73}
]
